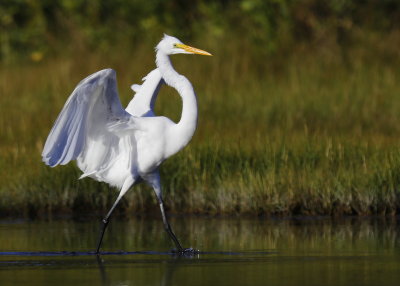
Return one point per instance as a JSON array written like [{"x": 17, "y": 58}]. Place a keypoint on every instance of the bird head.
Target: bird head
[{"x": 171, "y": 45}]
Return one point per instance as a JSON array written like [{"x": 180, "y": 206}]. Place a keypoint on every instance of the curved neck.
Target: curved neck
[{"x": 188, "y": 121}]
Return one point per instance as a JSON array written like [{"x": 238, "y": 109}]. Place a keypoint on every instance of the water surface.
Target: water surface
[{"x": 232, "y": 252}]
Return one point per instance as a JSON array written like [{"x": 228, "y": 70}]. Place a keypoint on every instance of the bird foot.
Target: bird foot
[{"x": 187, "y": 252}]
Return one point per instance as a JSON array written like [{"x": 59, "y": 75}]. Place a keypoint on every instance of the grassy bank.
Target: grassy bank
[{"x": 313, "y": 132}]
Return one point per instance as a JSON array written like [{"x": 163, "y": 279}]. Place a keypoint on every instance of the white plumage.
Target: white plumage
[
  {"x": 146, "y": 94},
  {"x": 124, "y": 146}
]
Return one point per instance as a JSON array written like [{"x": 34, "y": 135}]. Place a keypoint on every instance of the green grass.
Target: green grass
[{"x": 311, "y": 133}]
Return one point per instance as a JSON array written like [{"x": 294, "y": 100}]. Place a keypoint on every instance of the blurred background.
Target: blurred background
[
  {"x": 299, "y": 106},
  {"x": 37, "y": 30}
]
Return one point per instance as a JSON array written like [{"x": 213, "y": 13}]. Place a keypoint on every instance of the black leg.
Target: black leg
[
  {"x": 101, "y": 235},
  {"x": 154, "y": 181},
  {"x": 105, "y": 222},
  {"x": 168, "y": 227}
]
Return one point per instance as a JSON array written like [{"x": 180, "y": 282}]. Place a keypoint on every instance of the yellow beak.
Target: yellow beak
[{"x": 193, "y": 50}]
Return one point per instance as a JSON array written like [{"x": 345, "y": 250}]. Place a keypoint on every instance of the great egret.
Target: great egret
[{"x": 124, "y": 147}]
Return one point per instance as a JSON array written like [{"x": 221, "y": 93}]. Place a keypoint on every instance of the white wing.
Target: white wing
[
  {"x": 142, "y": 105},
  {"x": 92, "y": 107}
]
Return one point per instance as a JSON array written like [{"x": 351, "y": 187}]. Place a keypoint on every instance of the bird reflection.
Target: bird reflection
[
  {"x": 169, "y": 266},
  {"x": 103, "y": 274}
]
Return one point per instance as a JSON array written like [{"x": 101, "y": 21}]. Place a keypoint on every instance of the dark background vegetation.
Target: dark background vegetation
[
  {"x": 276, "y": 27},
  {"x": 299, "y": 106}
]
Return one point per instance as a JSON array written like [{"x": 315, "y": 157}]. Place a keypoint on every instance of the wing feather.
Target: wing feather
[
  {"x": 92, "y": 106},
  {"x": 142, "y": 104}
]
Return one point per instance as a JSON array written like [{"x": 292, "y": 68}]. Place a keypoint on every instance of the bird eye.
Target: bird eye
[{"x": 175, "y": 45}]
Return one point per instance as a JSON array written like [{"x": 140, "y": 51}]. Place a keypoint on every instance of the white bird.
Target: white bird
[{"x": 123, "y": 147}]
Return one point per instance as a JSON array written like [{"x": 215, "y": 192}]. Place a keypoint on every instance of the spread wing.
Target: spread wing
[
  {"x": 92, "y": 107},
  {"x": 142, "y": 105}
]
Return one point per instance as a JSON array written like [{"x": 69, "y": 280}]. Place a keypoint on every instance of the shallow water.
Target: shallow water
[{"x": 232, "y": 252}]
